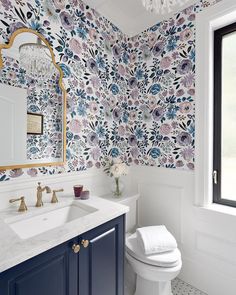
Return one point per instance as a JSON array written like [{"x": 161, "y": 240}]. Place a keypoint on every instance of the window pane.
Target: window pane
[{"x": 228, "y": 160}]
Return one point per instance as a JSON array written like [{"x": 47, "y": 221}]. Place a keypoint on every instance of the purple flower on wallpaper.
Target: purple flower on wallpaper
[
  {"x": 92, "y": 65},
  {"x": 92, "y": 139},
  {"x": 132, "y": 82},
  {"x": 188, "y": 80},
  {"x": 6, "y": 4},
  {"x": 16, "y": 173},
  {"x": 188, "y": 153},
  {"x": 116, "y": 50},
  {"x": 132, "y": 140},
  {"x": 157, "y": 113},
  {"x": 14, "y": 26},
  {"x": 33, "y": 172},
  {"x": 95, "y": 153},
  {"x": 134, "y": 151},
  {"x": 184, "y": 67},
  {"x": 184, "y": 138},
  {"x": 190, "y": 166},
  {"x": 117, "y": 113},
  {"x": 179, "y": 163},
  {"x": 67, "y": 20},
  {"x": 158, "y": 48}
]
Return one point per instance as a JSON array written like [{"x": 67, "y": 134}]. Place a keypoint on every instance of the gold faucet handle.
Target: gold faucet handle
[
  {"x": 54, "y": 196},
  {"x": 22, "y": 207}
]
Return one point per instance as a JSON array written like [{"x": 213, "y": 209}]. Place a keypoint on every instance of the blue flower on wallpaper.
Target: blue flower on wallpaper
[
  {"x": 155, "y": 89},
  {"x": 82, "y": 109},
  {"x": 66, "y": 70},
  {"x": 155, "y": 153},
  {"x": 115, "y": 152},
  {"x": 114, "y": 89},
  {"x": 139, "y": 74},
  {"x": 82, "y": 32}
]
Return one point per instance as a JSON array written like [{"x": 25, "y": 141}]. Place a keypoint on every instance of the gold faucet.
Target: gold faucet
[
  {"x": 54, "y": 196},
  {"x": 22, "y": 207},
  {"x": 40, "y": 191}
]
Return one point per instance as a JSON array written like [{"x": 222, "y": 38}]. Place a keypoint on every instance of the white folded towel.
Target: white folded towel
[{"x": 155, "y": 239}]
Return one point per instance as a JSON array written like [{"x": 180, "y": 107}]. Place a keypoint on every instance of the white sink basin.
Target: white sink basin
[{"x": 34, "y": 225}]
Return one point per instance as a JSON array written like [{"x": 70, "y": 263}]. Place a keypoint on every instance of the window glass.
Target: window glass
[{"x": 228, "y": 118}]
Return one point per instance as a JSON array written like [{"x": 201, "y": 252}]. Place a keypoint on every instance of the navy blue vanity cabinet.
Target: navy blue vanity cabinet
[
  {"x": 101, "y": 263},
  {"x": 52, "y": 272},
  {"x": 97, "y": 269}
]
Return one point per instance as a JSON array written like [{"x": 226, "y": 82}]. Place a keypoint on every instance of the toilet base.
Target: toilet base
[{"x": 144, "y": 287}]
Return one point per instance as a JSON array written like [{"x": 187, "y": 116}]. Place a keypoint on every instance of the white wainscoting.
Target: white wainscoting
[{"x": 206, "y": 238}]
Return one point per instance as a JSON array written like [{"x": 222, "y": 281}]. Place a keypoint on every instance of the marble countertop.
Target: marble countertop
[{"x": 14, "y": 250}]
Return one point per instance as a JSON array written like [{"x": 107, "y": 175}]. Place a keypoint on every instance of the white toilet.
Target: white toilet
[{"x": 154, "y": 273}]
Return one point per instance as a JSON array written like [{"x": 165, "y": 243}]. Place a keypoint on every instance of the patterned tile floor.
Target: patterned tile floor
[
  {"x": 178, "y": 288},
  {"x": 181, "y": 288}
]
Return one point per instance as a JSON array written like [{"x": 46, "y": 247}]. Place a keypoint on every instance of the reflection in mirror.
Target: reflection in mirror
[{"x": 31, "y": 105}]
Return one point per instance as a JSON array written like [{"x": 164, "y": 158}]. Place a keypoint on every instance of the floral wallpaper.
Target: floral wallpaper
[
  {"x": 44, "y": 97},
  {"x": 131, "y": 98}
]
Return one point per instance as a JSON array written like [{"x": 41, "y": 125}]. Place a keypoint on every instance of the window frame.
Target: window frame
[
  {"x": 217, "y": 113},
  {"x": 207, "y": 21}
]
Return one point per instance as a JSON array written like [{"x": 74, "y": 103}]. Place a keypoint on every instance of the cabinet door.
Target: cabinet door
[
  {"x": 51, "y": 273},
  {"x": 101, "y": 263}
]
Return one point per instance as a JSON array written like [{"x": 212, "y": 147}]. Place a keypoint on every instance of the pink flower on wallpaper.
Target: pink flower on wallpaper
[
  {"x": 165, "y": 62},
  {"x": 185, "y": 107},
  {"x": 59, "y": 4},
  {"x": 165, "y": 129},
  {"x": 121, "y": 70},
  {"x": 93, "y": 35},
  {"x": 93, "y": 107},
  {"x": 152, "y": 38},
  {"x": 75, "y": 126},
  {"x": 186, "y": 34},
  {"x": 75, "y": 46}
]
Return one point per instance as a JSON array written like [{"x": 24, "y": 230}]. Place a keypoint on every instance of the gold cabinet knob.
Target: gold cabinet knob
[
  {"x": 76, "y": 248},
  {"x": 85, "y": 243}
]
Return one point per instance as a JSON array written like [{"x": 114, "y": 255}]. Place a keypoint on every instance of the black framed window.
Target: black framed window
[{"x": 224, "y": 148}]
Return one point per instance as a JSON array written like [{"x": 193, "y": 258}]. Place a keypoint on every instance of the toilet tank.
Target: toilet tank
[{"x": 131, "y": 217}]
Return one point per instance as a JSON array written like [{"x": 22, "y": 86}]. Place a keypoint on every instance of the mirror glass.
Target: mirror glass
[{"x": 31, "y": 105}]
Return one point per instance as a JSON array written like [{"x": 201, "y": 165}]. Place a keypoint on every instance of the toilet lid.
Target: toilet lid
[{"x": 166, "y": 259}]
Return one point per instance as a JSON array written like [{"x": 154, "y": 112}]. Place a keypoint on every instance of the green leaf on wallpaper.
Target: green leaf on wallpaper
[
  {"x": 5, "y": 24},
  {"x": 59, "y": 48}
]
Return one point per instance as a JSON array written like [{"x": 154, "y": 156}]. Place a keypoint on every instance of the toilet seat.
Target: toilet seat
[{"x": 165, "y": 260}]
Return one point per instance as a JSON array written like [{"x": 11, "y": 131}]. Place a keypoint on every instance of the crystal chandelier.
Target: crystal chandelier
[
  {"x": 162, "y": 6},
  {"x": 35, "y": 59}
]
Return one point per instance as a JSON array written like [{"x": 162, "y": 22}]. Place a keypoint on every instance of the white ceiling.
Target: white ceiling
[{"x": 129, "y": 15}]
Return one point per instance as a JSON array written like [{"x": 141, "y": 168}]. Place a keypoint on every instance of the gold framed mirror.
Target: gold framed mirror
[{"x": 32, "y": 103}]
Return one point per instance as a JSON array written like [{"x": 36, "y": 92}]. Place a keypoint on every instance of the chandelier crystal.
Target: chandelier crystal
[
  {"x": 162, "y": 6},
  {"x": 36, "y": 60}
]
